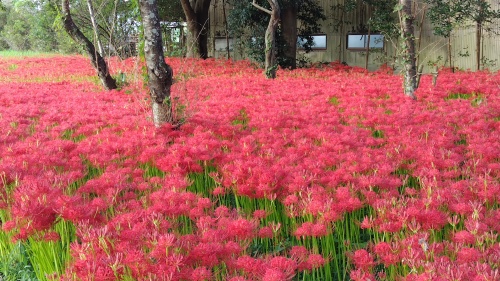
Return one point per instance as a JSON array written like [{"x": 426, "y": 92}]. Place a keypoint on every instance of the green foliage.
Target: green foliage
[
  {"x": 445, "y": 15},
  {"x": 309, "y": 14},
  {"x": 171, "y": 11},
  {"x": 15, "y": 264},
  {"x": 384, "y": 18},
  {"x": 36, "y": 25},
  {"x": 30, "y": 25},
  {"x": 117, "y": 24},
  {"x": 16, "y": 29},
  {"x": 342, "y": 9},
  {"x": 479, "y": 11}
]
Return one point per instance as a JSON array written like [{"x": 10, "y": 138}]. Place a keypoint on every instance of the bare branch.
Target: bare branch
[{"x": 261, "y": 8}]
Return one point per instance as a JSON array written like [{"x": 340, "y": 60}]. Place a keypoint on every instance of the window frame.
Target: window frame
[
  {"x": 314, "y": 48},
  {"x": 365, "y": 36}
]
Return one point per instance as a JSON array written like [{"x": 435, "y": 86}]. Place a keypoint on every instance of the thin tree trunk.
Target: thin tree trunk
[
  {"x": 449, "y": 53},
  {"x": 159, "y": 72},
  {"x": 479, "y": 35},
  {"x": 289, "y": 29},
  {"x": 271, "y": 64},
  {"x": 94, "y": 27},
  {"x": 408, "y": 52},
  {"x": 368, "y": 47},
  {"x": 96, "y": 59},
  {"x": 227, "y": 30},
  {"x": 196, "y": 12},
  {"x": 341, "y": 49}
]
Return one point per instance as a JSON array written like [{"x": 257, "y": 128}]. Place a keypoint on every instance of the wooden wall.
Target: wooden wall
[{"x": 431, "y": 47}]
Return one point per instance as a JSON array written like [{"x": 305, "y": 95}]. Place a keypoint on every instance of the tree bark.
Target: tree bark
[
  {"x": 271, "y": 64},
  {"x": 408, "y": 52},
  {"x": 96, "y": 59},
  {"x": 227, "y": 29},
  {"x": 94, "y": 26},
  {"x": 159, "y": 72},
  {"x": 289, "y": 29},
  {"x": 479, "y": 35},
  {"x": 196, "y": 12}
]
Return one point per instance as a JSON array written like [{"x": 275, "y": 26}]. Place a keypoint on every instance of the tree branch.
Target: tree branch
[
  {"x": 261, "y": 8},
  {"x": 188, "y": 10}
]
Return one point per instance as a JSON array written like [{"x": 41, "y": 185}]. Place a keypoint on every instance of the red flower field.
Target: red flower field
[{"x": 328, "y": 173}]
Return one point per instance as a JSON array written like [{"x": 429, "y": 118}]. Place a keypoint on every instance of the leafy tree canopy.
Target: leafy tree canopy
[{"x": 171, "y": 10}]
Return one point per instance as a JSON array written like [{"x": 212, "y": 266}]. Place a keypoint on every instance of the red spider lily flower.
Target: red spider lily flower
[
  {"x": 360, "y": 275},
  {"x": 266, "y": 232},
  {"x": 363, "y": 260},
  {"x": 468, "y": 255},
  {"x": 259, "y": 214},
  {"x": 316, "y": 261},
  {"x": 386, "y": 253},
  {"x": 464, "y": 237},
  {"x": 201, "y": 274}
]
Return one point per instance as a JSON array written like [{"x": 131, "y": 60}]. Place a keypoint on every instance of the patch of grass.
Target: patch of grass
[
  {"x": 12, "y": 67},
  {"x": 461, "y": 141},
  {"x": 334, "y": 101},
  {"x": 15, "y": 264},
  {"x": 456, "y": 96},
  {"x": 91, "y": 172},
  {"x": 476, "y": 98},
  {"x": 121, "y": 80},
  {"x": 150, "y": 170},
  {"x": 12, "y": 54},
  {"x": 378, "y": 134},
  {"x": 242, "y": 119},
  {"x": 69, "y": 135},
  {"x": 54, "y": 79}
]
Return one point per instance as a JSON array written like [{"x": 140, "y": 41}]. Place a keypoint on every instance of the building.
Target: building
[{"x": 343, "y": 38}]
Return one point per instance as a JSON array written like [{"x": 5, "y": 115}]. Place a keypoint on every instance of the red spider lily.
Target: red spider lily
[{"x": 328, "y": 146}]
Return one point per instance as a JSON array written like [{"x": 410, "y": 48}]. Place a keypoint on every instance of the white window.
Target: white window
[
  {"x": 319, "y": 42},
  {"x": 358, "y": 42},
  {"x": 221, "y": 44}
]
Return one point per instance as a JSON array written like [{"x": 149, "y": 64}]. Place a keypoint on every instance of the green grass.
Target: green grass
[{"x": 13, "y": 54}]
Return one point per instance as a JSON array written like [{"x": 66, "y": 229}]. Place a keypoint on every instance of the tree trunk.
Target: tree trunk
[
  {"x": 479, "y": 35},
  {"x": 159, "y": 73},
  {"x": 449, "y": 53},
  {"x": 289, "y": 28},
  {"x": 226, "y": 29},
  {"x": 96, "y": 59},
  {"x": 196, "y": 12},
  {"x": 270, "y": 37},
  {"x": 408, "y": 52},
  {"x": 270, "y": 41},
  {"x": 94, "y": 27}
]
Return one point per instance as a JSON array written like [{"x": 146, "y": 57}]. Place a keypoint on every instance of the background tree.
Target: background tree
[
  {"x": 172, "y": 21},
  {"x": 270, "y": 65},
  {"x": 159, "y": 73},
  {"x": 117, "y": 24},
  {"x": 248, "y": 25},
  {"x": 95, "y": 57},
  {"x": 3, "y": 19},
  {"x": 445, "y": 16},
  {"x": 16, "y": 29},
  {"x": 171, "y": 11},
  {"x": 27, "y": 25},
  {"x": 94, "y": 26},
  {"x": 481, "y": 13},
  {"x": 395, "y": 20},
  {"x": 196, "y": 12},
  {"x": 339, "y": 22},
  {"x": 408, "y": 48}
]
